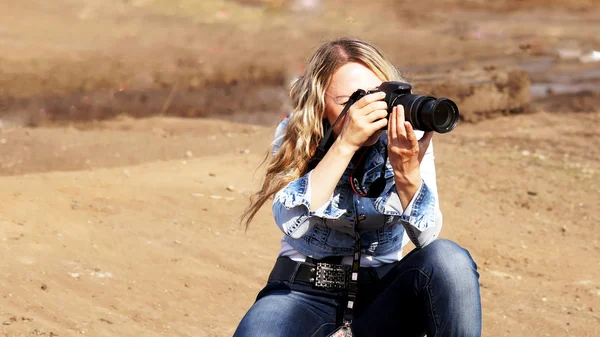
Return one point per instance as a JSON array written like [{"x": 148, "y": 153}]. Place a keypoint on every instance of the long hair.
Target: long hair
[{"x": 305, "y": 128}]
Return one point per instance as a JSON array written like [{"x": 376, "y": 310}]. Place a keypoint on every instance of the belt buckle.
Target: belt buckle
[{"x": 332, "y": 276}]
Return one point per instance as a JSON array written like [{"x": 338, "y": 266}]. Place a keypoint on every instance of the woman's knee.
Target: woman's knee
[
  {"x": 449, "y": 258},
  {"x": 286, "y": 313}
]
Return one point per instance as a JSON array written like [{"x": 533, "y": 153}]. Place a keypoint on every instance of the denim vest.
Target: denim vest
[{"x": 382, "y": 223}]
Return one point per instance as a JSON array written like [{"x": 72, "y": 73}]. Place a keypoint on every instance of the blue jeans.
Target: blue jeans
[{"x": 433, "y": 291}]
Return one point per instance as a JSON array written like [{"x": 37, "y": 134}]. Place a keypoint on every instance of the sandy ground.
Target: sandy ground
[
  {"x": 129, "y": 227},
  {"x": 152, "y": 245}
]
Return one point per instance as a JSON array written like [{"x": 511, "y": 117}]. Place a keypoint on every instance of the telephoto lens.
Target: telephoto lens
[{"x": 427, "y": 113}]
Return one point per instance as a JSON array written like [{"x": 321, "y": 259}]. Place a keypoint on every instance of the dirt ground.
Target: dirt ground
[{"x": 113, "y": 225}]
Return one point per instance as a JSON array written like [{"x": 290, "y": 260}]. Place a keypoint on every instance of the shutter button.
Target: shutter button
[{"x": 362, "y": 217}]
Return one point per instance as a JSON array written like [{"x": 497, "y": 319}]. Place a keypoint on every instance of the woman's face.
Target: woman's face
[{"x": 345, "y": 81}]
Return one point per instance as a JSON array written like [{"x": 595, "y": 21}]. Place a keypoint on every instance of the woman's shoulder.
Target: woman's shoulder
[{"x": 279, "y": 132}]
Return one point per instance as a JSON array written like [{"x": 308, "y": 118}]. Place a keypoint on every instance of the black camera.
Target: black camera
[{"x": 424, "y": 113}]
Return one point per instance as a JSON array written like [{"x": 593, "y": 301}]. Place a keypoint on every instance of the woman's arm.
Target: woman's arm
[
  {"x": 311, "y": 196},
  {"x": 414, "y": 179},
  {"x": 308, "y": 199},
  {"x": 304, "y": 201},
  {"x": 327, "y": 174},
  {"x": 421, "y": 218}
]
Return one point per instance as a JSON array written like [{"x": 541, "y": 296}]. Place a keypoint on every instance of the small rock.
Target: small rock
[
  {"x": 230, "y": 188},
  {"x": 106, "y": 321},
  {"x": 189, "y": 154},
  {"x": 44, "y": 287},
  {"x": 245, "y": 151},
  {"x": 533, "y": 193},
  {"x": 544, "y": 299},
  {"x": 525, "y": 153},
  {"x": 501, "y": 274},
  {"x": 210, "y": 174}
]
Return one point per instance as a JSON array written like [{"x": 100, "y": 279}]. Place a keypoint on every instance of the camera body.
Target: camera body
[{"x": 425, "y": 113}]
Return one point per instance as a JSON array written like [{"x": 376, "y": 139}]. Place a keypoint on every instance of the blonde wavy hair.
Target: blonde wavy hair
[{"x": 305, "y": 126}]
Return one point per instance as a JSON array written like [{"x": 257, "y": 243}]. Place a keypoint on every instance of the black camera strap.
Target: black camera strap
[
  {"x": 357, "y": 175},
  {"x": 379, "y": 184},
  {"x": 325, "y": 142},
  {"x": 345, "y": 330},
  {"x": 353, "y": 282}
]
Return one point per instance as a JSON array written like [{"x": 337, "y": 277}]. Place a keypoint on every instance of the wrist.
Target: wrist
[
  {"x": 406, "y": 186},
  {"x": 344, "y": 149},
  {"x": 409, "y": 180}
]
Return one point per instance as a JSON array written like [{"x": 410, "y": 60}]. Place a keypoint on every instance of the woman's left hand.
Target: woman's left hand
[{"x": 404, "y": 151}]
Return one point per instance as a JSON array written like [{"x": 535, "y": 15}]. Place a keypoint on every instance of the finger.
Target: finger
[
  {"x": 410, "y": 135},
  {"x": 370, "y": 98},
  {"x": 376, "y": 114},
  {"x": 392, "y": 132},
  {"x": 377, "y": 105},
  {"x": 379, "y": 124},
  {"x": 401, "y": 130}
]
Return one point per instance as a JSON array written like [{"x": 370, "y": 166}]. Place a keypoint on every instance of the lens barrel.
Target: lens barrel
[{"x": 427, "y": 113}]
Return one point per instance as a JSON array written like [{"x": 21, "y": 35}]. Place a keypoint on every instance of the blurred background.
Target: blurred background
[
  {"x": 78, "y": 60},
  {"x": 131, "y": 132}
]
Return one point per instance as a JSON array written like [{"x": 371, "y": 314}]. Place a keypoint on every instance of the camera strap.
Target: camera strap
[
  {"x": 325, "y": 142},
  {"x": 378, "y": 185},
  {"x": 357, "y": 175},
  {"x": 346, "y": 330}
]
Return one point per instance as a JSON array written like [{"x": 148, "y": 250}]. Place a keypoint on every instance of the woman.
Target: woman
[{"x": 325, "y": 210}]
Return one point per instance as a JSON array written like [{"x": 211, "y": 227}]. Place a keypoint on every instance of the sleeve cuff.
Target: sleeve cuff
[
  {"x": 391, "y": 204},
  {"x": 298, "y": 192},
  {"x": 409, "y": 208}
]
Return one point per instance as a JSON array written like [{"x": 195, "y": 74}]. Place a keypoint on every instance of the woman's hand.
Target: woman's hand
[
  {"x": 365, "y": 117},
  {"x": 405, "y": 154}
]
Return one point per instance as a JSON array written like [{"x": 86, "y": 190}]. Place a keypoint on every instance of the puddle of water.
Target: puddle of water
[
  {"x": 582, "y": 76},
  {"x": 544, "y": 89},
  {"x": 561, "y": 83},
  {"x": 538, "y": 65}
]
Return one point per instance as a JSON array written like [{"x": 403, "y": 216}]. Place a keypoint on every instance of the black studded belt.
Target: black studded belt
[{"x": 320, "y": 274}]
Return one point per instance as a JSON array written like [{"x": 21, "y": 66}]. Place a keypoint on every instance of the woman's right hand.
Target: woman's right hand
[{"x": 365, "y": 117}]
